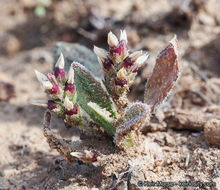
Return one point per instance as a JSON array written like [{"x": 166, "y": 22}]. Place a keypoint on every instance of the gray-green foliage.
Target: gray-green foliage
[{"x": 107, "y": 107}]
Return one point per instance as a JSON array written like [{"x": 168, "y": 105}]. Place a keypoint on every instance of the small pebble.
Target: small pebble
[
  {"x": 7, "y": 87},
  {"x": 212, "y": 131}
]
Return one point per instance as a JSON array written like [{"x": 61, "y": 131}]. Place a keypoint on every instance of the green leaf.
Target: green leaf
[
  {"x": 135, "y": 116},
  {"x": 90, "y": 90}
]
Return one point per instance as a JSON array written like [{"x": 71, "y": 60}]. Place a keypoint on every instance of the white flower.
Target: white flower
[
  {"x": 71, "y": 76},
  {"x": 68, "y": 104},
  {"x": 47, "y": 85},
  {"x": 142, "y": 59},
  {"x": 135, "y": 55},
  {"x": 44, "y": 80},
  {"x": 123, "y": 36},
  {"x": 42, "y": 103},
  {"x": 60, "y": 62},
  {"x": 40, "y": 76},
  {"x": 101, "y": 53},
  {"x": 122, "y": 74},
  {"x": 78, "y": 155},
  {"x": 112, "y": 39}
]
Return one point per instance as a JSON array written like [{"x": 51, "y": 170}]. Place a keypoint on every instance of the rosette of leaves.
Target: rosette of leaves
[{"x": 100, "y": 105}]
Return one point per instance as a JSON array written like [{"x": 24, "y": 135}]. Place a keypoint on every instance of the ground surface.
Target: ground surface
[{"x": 166, "y": 154}]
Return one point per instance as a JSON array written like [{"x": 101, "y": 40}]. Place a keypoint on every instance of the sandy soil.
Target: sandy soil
[{"x": 170, "y": 150}]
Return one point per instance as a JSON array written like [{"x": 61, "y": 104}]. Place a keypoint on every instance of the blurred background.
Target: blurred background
[
  {"x": 31, "y": 27},
  {"x": 29, "y": 30}
]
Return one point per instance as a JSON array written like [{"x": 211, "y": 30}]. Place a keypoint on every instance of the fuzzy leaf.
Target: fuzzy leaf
[
  {"x": 90, "y": 90},
  {"x": 135, "y": 116},
  {"x": 164, "y": 76}
]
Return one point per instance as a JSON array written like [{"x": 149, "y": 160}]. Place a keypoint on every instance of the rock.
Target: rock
[
  {"x": 76, "y": 52},
  {"x": 13, "y": 45},
  {"x": 212, "y": 131},
  {"x": 7, "y": 87}
]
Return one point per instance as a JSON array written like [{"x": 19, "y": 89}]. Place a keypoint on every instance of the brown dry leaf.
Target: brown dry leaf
[{"x": 164, "y": 76}]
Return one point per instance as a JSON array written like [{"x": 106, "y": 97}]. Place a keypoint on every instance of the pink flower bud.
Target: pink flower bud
[
  {"x": 127, "y": 62},
  {"x": 121, "y": 83},
  {"x": 59, "y": 69},
  {"x": 135, "y": 69},
  {"x": 52, "y": 78},
  {"x": 120, "y": 50},
  {"x": 95, "y": 156},
  {"x": 51, "y": 105},
  {"x": 87, "y": 156},
  {"x": 69, "y": 87},
  {"x": 54, "y": 89},
  {"x": 107, "y": 64},
  {"x": 73, "y": 111},
  {"x": 124, "y": 48},
  {"x": 123, "y": 36},
  {"x": 59, "y": 73}
]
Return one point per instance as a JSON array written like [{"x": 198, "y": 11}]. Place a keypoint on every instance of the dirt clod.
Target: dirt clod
[
  {"x": 173, "y": 147},
  {"x": 212, "y": 131},
  {"x": 7, "y": 88}
]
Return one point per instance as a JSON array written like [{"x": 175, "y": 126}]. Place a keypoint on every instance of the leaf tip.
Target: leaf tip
[{"x": 174, "y": 43}]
